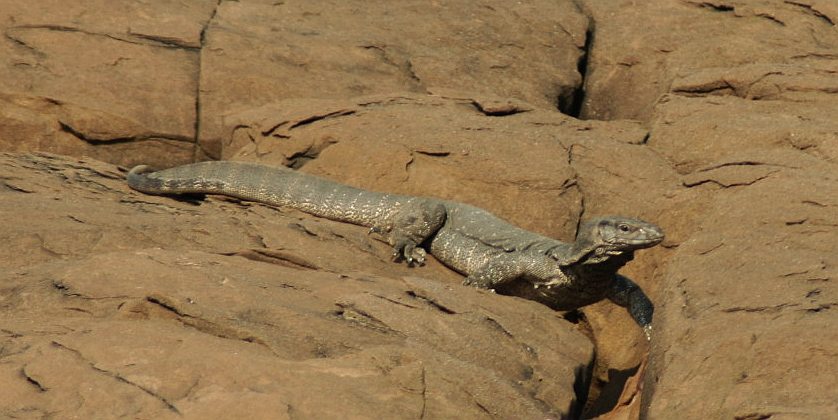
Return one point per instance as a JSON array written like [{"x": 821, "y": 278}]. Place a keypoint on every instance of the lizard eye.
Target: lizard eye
[{"x": 623, "y": 227}]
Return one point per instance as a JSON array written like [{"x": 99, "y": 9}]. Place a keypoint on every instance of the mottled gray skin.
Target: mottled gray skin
[{"x": 490, "y": 252}]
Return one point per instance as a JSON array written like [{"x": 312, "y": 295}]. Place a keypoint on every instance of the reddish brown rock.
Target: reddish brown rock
[
  {"x": 96, "y": 326},
  {"x": 116, "y": 63},
  {"x": 528, "y": 51},
  {"x": 733, "y": 152},
  {"x": 756, "y": 337},
  {"x": 640, "y": 51}
]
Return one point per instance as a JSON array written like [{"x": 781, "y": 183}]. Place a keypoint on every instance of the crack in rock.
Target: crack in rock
[
  {"x": 810, "y": 9},
  {"x": 129, "y": 37},
  {"x": 67, "y": 128},
  {"x": 34, "y": 382},
  {"x": 350, "y": 312},
  {"x": 277, "y": 257},
  {"x": 206, "y": 326},
  {"x": 169, "y": 405},
  {"x": 430, "y": 301}
]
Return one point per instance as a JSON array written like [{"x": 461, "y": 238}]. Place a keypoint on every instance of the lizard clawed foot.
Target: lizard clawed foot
[
  {"x": 647, "y": 329},
  {"x": 410, "y": 253},
  {"x": 378, "y": 230},
  {"x": 403, "y": 249},
  {"x": 474, "y": 282},
  {"x": 477, "y": 284}
]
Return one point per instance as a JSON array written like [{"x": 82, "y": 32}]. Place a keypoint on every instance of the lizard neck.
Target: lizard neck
[{"x": 597, "y": 266}]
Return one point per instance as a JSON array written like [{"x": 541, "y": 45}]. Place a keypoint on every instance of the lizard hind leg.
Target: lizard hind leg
[{"x": 414, "y": 223}]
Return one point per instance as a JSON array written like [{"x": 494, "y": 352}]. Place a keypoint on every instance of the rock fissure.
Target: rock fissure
[
  {"x": 34, "y": 382},
  {"x": 207, "y": 326},
  {"x": 118, "y": 377},
  {"x": 432, "y": 302},
  {"x": 17, "y": 41},
  {"x": 130, "y": 38},
  {"x": 810, "y": 9},
  {"x": 320, "y": 117},
  {"x": 275, "y": 256},
  {"x": 198, "y": 147},
  {"x": 766, "y": 308},
  {"x": 715, "y": 6},
  {"x": 423, "y": 383},
  {"x": 393, "y": 301},
  {"x": 350, "y": 312},
  {"x": 575, "y": 105},
  {"x": 744, "y": 163},
  {"x": 67, "y": 128},
  {"x": 576, "y": 184},
  {"x": 727, "y": 184},
  {"x": 170, "y": 42}
]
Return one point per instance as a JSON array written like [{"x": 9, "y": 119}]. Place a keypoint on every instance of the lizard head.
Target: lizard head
[{"x": 615, "y": 235}]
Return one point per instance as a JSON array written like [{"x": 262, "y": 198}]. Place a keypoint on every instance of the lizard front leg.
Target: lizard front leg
[
  {"x": 628, "y": 294},
  {"x": 506, "y": 267},
  {"x": 415, "y": 222},
  {"x": 493, "y": 274}
]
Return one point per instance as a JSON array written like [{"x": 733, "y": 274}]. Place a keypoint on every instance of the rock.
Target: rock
[
  {"x": 642, "y": 51},
  {"x": 809, "y": 127},
  {"x": 747, "y": 122},
  {"x": 45, "y": 124},
  {"x": 754, "y": 337},
  {"x": 175, "y": 71},
  {"x": 98, "y": 320},
  {"x": 528, "y": 51},
  {"x": 731, "y": 150},
  {"x": 129, "y": 64}
]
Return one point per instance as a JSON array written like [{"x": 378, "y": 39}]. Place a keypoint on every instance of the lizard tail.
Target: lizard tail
[
  {"x": 277, "y": 186},
  {"x": 137, "y": 180}
]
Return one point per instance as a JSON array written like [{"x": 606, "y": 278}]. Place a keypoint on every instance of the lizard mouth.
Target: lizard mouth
[
  {"x": 646, "y": 242},
  {"x": 653, "y": 237},
  {"x": 654, "y": 240}
]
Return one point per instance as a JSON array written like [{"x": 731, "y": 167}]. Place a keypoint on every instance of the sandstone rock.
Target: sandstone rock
[
  {"x": 733, "y": 152},
  {"x": 49, "y": 125},
  {"x": 640, "y": 52},
  {"x": 753, "y": 339},
  {"x": 681, "y": 132},
  {"x": 527, "y": 51},
  {"x": 98, "y": 320},
  {"x": 175, "y": 71},
  {"x": 116, "y": 62}
]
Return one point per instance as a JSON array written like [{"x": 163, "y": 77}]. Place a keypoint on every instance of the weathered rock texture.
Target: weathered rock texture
[
  {"x": 118, "y": 303},
  {"x": 740, "y": 99},
  {"x": 151, "y": 306}
]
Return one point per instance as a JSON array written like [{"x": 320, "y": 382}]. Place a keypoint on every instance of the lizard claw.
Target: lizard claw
[
  {"x": 417, "y": 256},
  {"x": 376, "y": 229},
  {"x": 414, "y": 255},
  {"x": 473, "y": 282},
  {"x": 647, "y": 329},
  {"x": 410, "y": 253}
]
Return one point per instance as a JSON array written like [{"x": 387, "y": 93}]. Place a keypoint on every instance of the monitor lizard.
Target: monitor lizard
[{"x": 490, "y": 252}]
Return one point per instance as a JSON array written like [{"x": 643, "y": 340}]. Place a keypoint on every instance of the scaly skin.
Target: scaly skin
[{"x": 490, "y": 252}]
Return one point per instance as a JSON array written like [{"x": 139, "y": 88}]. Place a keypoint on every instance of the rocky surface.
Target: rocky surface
[
  {"x": 714, "y": 119},
  {"x": 149, "y": 306}
]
